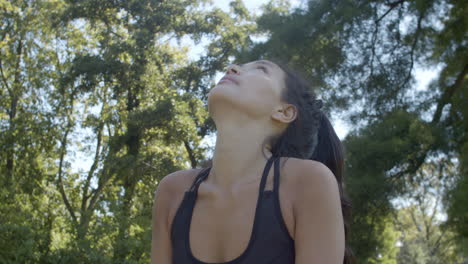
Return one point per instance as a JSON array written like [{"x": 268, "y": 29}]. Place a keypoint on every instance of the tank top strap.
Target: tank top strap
[
  {"x": 276, "y": 171},
  {"x": 199, "y": 178},
  {"x": 203, "y": 174},
  {"x": 266, "y": 169}
]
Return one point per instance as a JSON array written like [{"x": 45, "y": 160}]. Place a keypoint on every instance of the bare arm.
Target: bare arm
[
  {"x": 161, "y": 250},
  {"x": 319, "y": 234}
]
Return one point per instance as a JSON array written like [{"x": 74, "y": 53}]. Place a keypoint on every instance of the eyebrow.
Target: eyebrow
[{"x": 261, "y": 62}]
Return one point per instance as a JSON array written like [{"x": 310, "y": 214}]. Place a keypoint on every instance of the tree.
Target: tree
[
  {"x": 360, "y": 57},
  {"x": 28, "y": 210},
  {"x": 424, "y": 238},
  {"x": 132, "y": 72},
  {"x": 107, "y": 83}
]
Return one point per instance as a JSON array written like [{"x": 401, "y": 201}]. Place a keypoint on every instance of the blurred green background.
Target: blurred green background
[{"x": 101, "y": 99}]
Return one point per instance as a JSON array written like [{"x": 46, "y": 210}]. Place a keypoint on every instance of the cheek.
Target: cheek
[
  {"x": 265, "y": 89},
  {"x": 255, "y": 96},
  {"x": 258, "y": 86},
  {"x": 259, "y": 94}
]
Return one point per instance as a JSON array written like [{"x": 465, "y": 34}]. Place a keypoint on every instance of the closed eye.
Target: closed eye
[{"x": 263, "y": 68}]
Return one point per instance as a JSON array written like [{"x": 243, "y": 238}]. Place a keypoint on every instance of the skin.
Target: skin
[{"x": 246, "y": 111}]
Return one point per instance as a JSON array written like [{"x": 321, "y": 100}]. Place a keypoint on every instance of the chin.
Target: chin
[{"x": 221, "y": 90}]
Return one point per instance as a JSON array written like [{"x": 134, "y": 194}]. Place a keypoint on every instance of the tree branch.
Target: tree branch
[
  {"x": 448, "y": 93},
  {"x": 60, "y": 175},
  {"x": 392, "y": 6},
  {"x": 4, "y": 79},
  {"x": 92, "y": 169},
  {"x": 413, "y": 47},
  {"x": 191, "y": 155}
]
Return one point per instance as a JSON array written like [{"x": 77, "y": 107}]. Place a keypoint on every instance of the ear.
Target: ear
[{"x": 285, "y": 113}]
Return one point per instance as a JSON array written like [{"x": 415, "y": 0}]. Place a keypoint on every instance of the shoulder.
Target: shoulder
[
  {"x": 307, "y": 176},
  {"x": 170, "y": 191},
  {"x": 317, "y": 213},
  {"x": 178, "y": 181},
  {"x": 309, "y": 172}
]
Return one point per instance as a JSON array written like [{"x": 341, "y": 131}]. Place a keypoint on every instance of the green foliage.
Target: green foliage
[
  {"x": 386, "y": 250},
  {"x": 103, "y": 80},
  {"x": 360, "y": 57},
  {"x": 98, "y": 79}
]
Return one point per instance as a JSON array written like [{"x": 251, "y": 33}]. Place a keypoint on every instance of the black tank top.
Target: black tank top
[{"x": 270, "y": 242}]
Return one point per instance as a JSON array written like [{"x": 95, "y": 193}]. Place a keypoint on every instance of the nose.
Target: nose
[{"x": 233, "y": 68}]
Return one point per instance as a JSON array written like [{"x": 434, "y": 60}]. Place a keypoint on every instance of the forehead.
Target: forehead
[
  {"x": 265, "y": 62},
  {"x": 276, "y": 72}
]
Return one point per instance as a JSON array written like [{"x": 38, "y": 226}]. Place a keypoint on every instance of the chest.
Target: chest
[{"x": 223, "y": 229}]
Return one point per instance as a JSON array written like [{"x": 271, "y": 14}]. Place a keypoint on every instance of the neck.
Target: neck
[{"x": 238, "y": 157}]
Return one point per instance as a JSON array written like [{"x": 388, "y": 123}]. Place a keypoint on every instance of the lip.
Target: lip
[{"x": 230, "y": 78}]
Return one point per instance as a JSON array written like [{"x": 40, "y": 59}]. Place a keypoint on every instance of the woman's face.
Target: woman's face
[{"x": 253, "y": 88}]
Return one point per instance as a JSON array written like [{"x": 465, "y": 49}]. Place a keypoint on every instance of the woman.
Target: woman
[{"x": 235, "y": 211}]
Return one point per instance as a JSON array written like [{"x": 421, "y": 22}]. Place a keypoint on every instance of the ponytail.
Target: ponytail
[{"x": 330, "y": 151}]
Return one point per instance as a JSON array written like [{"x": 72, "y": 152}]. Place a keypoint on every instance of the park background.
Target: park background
[{"x": 99, "y": 100}]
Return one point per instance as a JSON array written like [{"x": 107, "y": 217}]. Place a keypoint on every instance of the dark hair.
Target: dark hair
[{"x": 311, "y": 136}]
